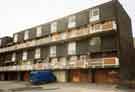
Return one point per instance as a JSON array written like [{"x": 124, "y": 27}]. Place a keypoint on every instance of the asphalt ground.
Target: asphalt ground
[{"x": 19, "y": 86}]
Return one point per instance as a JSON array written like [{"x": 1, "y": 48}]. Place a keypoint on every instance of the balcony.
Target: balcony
[
  {"x": 82, "y": 32},
  {"x": 74, "y": 63},
  {"x": 100, "y": 27},
  {"x": 103, "y": 62},
  {"x": 8, "y": 68},
  {"x": 110, "y": 25},
  {"x": 55, "y": 37},
  {"x": 26, "y": 44},
  {"x": 73, "y": 33}
]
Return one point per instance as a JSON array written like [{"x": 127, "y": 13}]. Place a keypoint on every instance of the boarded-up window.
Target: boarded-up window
[
  {"x": 53, "y": 27},
  {"x": 71, "y": 21},
  {"x": 39, "y": 31},
  {"x": 72, "y": 48},
  {"x": 53, "y": 51},
  {"x": 94, "y": 14},
  {"x": 37, "y": 53}
]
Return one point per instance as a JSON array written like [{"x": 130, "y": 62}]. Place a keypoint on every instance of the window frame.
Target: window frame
[
  {"x": 25, "y": 55},
  {"x": 37, "y": 53},
  {"x": 13, "y": 56},
  {"x": 72, "y": 48},
  {"x": 39, "y": 31},
  {"x": 72, "y": 21},
  {"x": 53, "y": 51},
  {"x": 53, "y": 27},
  {"x": 92, "y": 16},
  {"x": 26, "y": 35}
]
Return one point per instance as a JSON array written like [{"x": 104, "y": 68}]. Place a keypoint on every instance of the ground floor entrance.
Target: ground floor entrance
[
  {"x": 94, "y": 75},
  {"x": 71, "y": 75},
  {"x": 13, "y": 75},
  {"x": 80, "y": 75}
]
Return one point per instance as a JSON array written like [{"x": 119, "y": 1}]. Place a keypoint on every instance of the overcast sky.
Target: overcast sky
[{"x": 17, "y": 15}]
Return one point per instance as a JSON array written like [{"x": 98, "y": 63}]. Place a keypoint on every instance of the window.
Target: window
[
  {"x": 37, "y": 53},
  {"x": 15, "y": 37},
  {"x": 94, "y": 15},
  {"x": 95, "y": 41},
  {"x": 53, "y": 27},
  {"x": 26, "y": 35},
  {"x": 39, "y": 31},
  {"x": 14, "y": 56},
  {"x": 72, "y": 48},
  {"x": 71, "y": 22},
  {"x": 53, "y": 51},
  {"x": 24, "y": 55}
]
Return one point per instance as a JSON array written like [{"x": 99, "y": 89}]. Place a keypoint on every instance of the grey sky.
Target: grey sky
[{"x": 17, "y": 15}]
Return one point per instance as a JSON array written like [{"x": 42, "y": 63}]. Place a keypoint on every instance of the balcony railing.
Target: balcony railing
[
  {"x": 26, "y": 44},
  {"x": 100, "y": 27},
  {"x": 110, "y": 25},
  {"x": 103, "y": 62},
  {"x": 74, "y": 64}
]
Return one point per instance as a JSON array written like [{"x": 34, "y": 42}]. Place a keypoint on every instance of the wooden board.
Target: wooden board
[{"x": 107, "y": 76}]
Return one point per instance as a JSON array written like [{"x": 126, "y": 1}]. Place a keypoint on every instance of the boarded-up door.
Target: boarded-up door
[
  {"x": 75, "y": 75},
  {"x": 107, "y": 76},
  {"x": 84, "y": 76},
  {"x": 80, "y": 75},
  {"x": 26, "y": 76}
]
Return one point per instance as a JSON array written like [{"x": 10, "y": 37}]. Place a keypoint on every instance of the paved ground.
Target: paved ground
[{"x": 16, "y": 86}]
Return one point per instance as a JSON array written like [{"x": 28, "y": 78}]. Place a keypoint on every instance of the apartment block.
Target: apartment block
[{"x": 92, "y": 45}]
